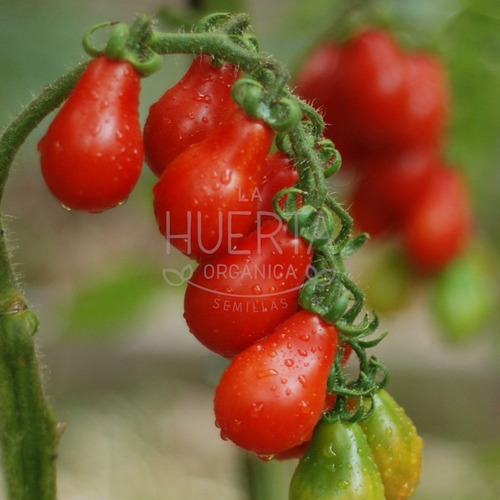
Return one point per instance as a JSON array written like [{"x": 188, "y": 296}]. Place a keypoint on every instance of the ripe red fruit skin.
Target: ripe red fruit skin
[
  {"x": 372, "y": 80},
  {"x": 272, "y": 394},
  {"x": 187, "y": 112},
  {"x": 389, "y": 184},
  {"x": 235, "y": 299},
  {"x": 206, "y": 199},
  {"x": 375, "y": 96},
  {"x": 92, "y": 153},
  {"x": 424, "y": 115},
  {"x": 439, "y": 226},
  {"x": 278, "y": 172},
  {"x": 319, "y": 83}
]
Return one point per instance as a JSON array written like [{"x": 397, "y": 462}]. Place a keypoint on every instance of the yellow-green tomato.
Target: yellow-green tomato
[
  {"x": 337, "y": 465},
  {"x": 396, "y": 446}
]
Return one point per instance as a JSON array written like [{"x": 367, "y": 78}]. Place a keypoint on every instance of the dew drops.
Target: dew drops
[
  {"x": 305, "y": 338},
  {"x": 388, "y": 432},
  {"x": 302, "y": 352},
  {"x": 203, "y": 98},
  {"x": 267, "y": 373},
  {"x": 329, "y": 452},
  {"x": 225, "y": 177},
  {"x": 256, "y": 409},
  {"x": 302, "y": 380},
  {"x": 68, "y": 209},
  {"x": 304, "y": 407},
  {"x": 121, "y": 203},
  {"x": 257, "y": 290},
  {"x": 265, "y": 458},
  {"x": 343, "y": 484},
  {"x": 272, "y": 354},
  {"x": 289, "y": 362}
]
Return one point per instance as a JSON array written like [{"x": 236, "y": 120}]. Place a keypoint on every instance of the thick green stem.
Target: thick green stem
[
  {"x": 29, "y": 432},
  {"x": 216, "y": 44},
  {"x": 28, "y": 426}
]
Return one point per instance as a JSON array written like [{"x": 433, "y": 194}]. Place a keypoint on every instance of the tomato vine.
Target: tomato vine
[{"x": 309, "y": 210}]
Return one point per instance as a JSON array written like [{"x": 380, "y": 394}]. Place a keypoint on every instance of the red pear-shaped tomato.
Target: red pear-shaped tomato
[
  {"x": 92, "y": 153},
  {"x": 237, "y": 298},
  {"x": 207, "y": 197},
  {"x": 188, "y": 111},
  {"x": 272, "y": 394}
]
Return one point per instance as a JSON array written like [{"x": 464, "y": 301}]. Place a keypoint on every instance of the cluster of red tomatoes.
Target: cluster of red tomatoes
[
  {"x": 213, "y": 202},
  {"x": 386, "y": 110}
]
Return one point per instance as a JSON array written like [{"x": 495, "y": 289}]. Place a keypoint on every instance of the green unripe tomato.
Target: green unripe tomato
[
  {"x": 388, "y": 282},
  {"x": 337, "y": 465},
  {"x": 396, "y": 447},
  {"x": 463, "y": 296}
]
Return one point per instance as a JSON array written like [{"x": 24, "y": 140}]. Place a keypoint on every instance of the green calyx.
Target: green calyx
[{"x": 127, "y": 43}]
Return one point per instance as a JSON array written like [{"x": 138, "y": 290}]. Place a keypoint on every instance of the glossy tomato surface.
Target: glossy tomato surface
[
  {"x": 92, "y": 153},
  {"x": 273, "y": 393},
  {"x": 372, "y": 74},
  {"x": 337, "y": 465},
  {"x": 237, "y": 298},
  {"x": 207, "y": 198},
  {"x": 396, "y": 447},
  {"x": 188, "y": 111}
]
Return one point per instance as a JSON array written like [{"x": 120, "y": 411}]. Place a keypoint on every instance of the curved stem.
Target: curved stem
[
  {"x": 28, "y": 426},
  {"x": 216, "y": 44}
]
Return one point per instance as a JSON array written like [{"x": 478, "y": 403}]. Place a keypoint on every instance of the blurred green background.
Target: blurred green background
[{"x": 120, "y": 367}]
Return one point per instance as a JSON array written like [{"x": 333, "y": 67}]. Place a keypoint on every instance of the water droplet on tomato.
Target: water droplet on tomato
[
  {"x": 256, "y": 409},
  {"x": 289, "y": 362},
  {"x": 328, "y": 451},
  {"x": 203, "y": 98},
  {"x": 68, "y": 209},
  {"x": 267, "y": 373},
  {"x": 225, "y": 177},
  {"x": 305, "y": 338},
  {"x": 343, "y": 484},
  {"x": 304, "y": 407},
  {"x": 272, "y": 354},
  {"x": 257, "y": 290},
  {"x": 122, "y": 202},
  {"x": 265, "y": 458},
  {"x": 302, "y": 352},
  {"x": 302, "y": 380}
]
